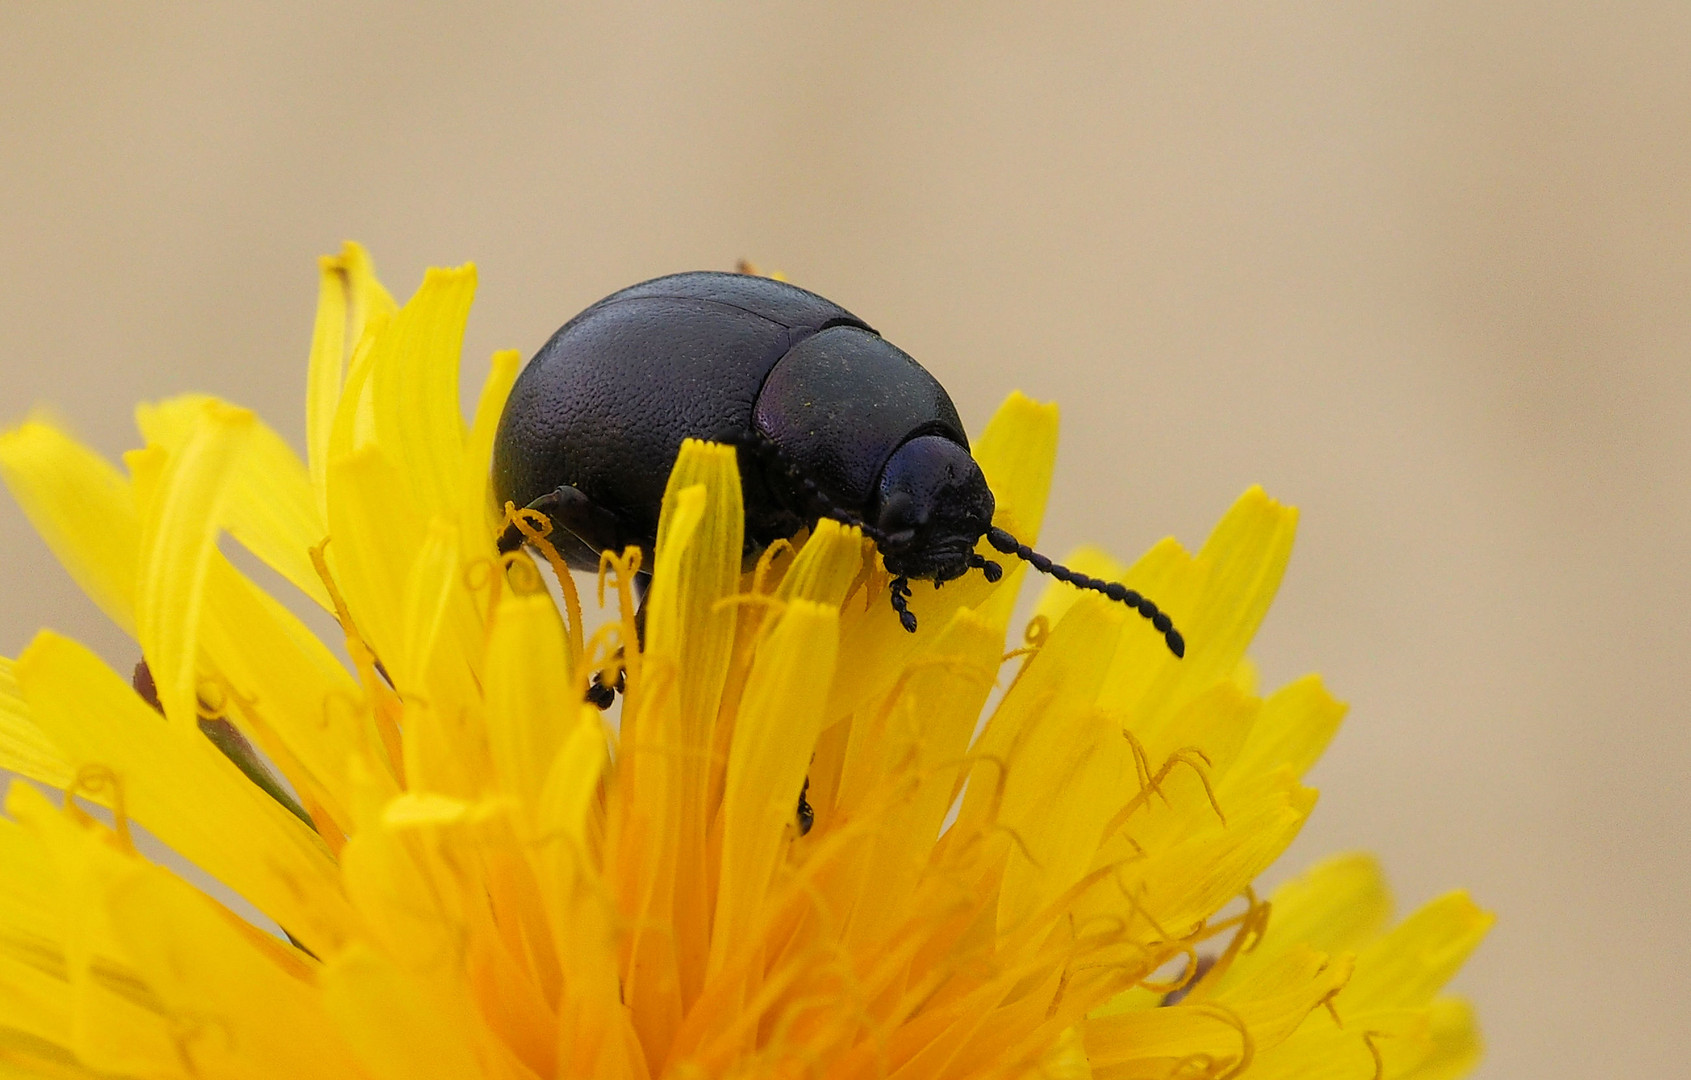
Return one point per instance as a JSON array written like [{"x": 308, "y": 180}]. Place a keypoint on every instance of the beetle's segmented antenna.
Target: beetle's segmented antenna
[{"x": 1009, "y": 545}]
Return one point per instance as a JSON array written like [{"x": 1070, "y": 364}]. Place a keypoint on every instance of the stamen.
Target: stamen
[
  {"x": 1038, "y": 629},
  {"x": 536, "y": 527},
  {"x": 1251, "y": 925},
  {"x": 1368, "y": 1038},
  {"x": 866, "y": 571},
  {"x": 626, "y": 566},
  {"x": 1188, "y": 975},
  {"x": 1247, "y": 1051},
  {"x": 766, "y": 563},
  {"x": 1190, "y": 756},
  {"x": 93, "y": 781}
]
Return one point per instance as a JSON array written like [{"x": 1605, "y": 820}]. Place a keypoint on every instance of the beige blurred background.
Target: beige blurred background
[{"x": 1423, "y": 269}]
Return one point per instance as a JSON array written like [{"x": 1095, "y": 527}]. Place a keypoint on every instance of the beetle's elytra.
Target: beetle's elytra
[{"x": 831, "y": 420}]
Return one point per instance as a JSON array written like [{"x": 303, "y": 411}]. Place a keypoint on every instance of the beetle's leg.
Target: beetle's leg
[
  {"x": 806, "y": 815},
  {"x": 604, "y": 694},
  {"x": 899, "y": 590},
  {"x": 600, "y": 694},
  {"x": 761, "y": 446}
]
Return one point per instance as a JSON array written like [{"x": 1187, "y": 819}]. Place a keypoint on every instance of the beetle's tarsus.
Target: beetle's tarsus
[
  {"x": 806, "y": 815},
  {"x": 603, "y": 694},
  {"x": 899, "y": 593},
  {"x": 600, "y": 695}
]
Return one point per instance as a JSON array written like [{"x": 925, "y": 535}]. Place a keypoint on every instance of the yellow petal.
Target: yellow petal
[
  {"x": 595, "y": 1037},
  {"x": 920, "y": 763},
  {"x": 287, "y": 692},
  {"x": 1411, "y": 963},
  {"x": 1456, "y": 1045},
  {"x": 173, "y": 781},
  {"x": 1217, "y": 599},
  {"x": 106, "y": 1017},
  {"x": 1017, "y": 766},
  {"x": 1438, "y": 1042},
  {"x": 777, "y": 728},
  {"x": 349, "y": 301},
  {"x": 82, "y": 506},
  {"x": 1337, "y": 907},
  {"x": 270, "y": 506},
  {"x": 413, "y": 390},
  {"x": 479, "y": 517},
  {"x": 264, "y": 1009},
  {"x": 1294, "y": 727},
  {"x": 375, "y": 531},
  {"x": 178, "y": 542},
  {"x": 441, "y": 651},
  {"x": 1057, "y": 798},
  {"x": 290, "y": 695},
  {"x": 1128, "y": 1043},
  {"x": 1017, "y": 451},
  {"x": 532, "y": 697},
  {"x": 689, "y": 628},
  {"x": 23, "y": 748},
  {"x": 35, "y": 995},
  {"x": 668, "y": 717},
  {"x": 398, "y": 1029},
  {"x": 562, "y": 807},
  {"x": 1175, "y": 794},
  {"x": 385, "y": 868},
  {"x": 827, "y": 566},
  {"x": 1186, "y": 881}
]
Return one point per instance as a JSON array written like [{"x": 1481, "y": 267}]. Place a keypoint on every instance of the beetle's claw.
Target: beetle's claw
[
  {"x": 600, "y": 695},
  {"x": 603, "y": 694},
  {"x": 806, "y": 816}
]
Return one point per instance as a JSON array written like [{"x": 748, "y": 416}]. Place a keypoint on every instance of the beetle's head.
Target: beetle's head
[{"x": 932, "y": 507}]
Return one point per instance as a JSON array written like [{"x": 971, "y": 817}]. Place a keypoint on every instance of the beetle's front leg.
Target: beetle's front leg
[{"x": 899, "y": 589}]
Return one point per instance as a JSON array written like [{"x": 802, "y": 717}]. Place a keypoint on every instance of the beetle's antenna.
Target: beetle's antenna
[{"x": 1116, "y": 591}]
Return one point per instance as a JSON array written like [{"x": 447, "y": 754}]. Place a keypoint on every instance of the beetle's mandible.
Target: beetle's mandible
[{"x": 830, "y": 420}]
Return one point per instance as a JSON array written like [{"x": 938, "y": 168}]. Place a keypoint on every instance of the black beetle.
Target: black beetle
[{"x": 830, "y": 419}]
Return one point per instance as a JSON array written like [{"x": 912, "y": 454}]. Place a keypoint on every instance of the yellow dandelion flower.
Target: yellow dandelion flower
[{"x": 476, "y": 877}]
